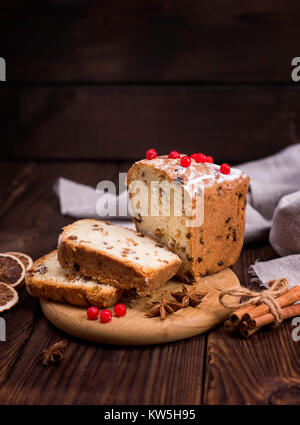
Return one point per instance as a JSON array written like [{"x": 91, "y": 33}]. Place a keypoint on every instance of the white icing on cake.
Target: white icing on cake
[{"x": 196, "y": 174}]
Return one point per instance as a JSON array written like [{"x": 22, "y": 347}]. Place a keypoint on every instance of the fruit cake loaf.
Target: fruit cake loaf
[
  {"x": 116, "y": 256},
  {"x": 46, "y": 279},
  {"x": 208, "y": 247}
]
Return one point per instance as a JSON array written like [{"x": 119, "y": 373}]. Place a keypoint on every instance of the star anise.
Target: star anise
[
  {"x": 54, "y": 353},
  {"x": 191, "y": 296},
  {"x": 163, "y": 308}
]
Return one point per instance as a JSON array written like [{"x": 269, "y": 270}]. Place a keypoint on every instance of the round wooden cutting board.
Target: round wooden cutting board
[{"x": 137, "y": 329}]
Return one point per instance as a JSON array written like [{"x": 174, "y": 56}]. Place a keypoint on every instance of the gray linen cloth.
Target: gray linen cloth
[
  {"x": 288, "y": 267},
  {"x": 274, "y": 200},
  {"x": 82, "y": 201},
  {"x": 273, "y": 209}
]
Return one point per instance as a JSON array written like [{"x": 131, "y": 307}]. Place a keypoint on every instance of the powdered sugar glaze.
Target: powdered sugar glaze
[{"x": 196, "y": 174}]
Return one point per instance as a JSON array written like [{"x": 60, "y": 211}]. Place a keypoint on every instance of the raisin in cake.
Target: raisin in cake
[
  {"x": 46, "y": 279},
  {"x": 206, "y": 248},
  {"x": 116, "y": 255}
]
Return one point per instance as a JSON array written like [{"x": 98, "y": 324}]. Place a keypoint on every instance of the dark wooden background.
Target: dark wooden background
[{"x": 107, "y": 80}]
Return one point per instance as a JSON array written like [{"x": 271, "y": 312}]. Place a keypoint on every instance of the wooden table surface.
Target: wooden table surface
[{"x": 213, "y": 368}]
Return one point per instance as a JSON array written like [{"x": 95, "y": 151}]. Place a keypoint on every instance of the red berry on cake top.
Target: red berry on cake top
[
  {"x": 151, "y": 154},
  {"x": 92, "y": 313},
  {"x": 199, "y": 157},
  {"x": 185, "y": 161},
  {"x": 105, "y": 316},
  {"x": 174, "y": 155},
  {"x": 120, "y": 310},
  {"x": 209, "y": 159},
  {"x": 225, "y": 169}
]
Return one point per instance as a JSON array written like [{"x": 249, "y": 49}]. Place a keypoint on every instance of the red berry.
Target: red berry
[
  {"x": 225, "y": 168},
  {"x": 105, "y": 316},
  {"x": 174, "y": 154},
  {"x": 120, "y": 310},
  {"x": 92, "y": 313},
  {"x": 151, "y": 154},
  {"x": 201, "y": 158},
  {"x": 185, "y": 161},
  {"x": 209, "y": 159}
]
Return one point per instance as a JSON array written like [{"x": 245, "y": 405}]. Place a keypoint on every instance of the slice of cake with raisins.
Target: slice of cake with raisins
[
  {"x": 209, "y": 237},
  {"x": 46, "y": 279},
  {"x": 116, "y": 256}
]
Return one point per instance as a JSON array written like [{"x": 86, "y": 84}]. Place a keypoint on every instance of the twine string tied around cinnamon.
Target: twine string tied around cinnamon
[{"x": 268, "y": 296}]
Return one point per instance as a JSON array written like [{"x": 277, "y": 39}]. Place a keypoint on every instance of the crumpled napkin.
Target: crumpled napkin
[
  {"x": 274, "y": 200},
  {"x": 285, "y": 267},
  {"x": 82, "y": 201}
]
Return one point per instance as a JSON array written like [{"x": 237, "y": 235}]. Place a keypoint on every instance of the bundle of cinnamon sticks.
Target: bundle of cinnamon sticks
[{"x": 248, "y": 319}]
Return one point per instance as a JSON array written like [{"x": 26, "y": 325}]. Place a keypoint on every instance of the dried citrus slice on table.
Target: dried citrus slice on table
[
  {"x": 24, "y": 258},
  {"x": 8, "y": 297},
  {"x": 12, "y": 270}
]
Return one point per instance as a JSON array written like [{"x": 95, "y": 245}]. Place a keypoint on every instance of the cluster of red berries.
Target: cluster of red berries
[
  {"x": 185, "y": 161},
  {"x": 105, "y": 315}
]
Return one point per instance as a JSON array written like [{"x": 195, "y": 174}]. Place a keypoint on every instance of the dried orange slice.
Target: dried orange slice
[
  {"x": 12, "y": 270},
  {"x": 26, "y": 260},
  {"x": 8, "y": 297}
]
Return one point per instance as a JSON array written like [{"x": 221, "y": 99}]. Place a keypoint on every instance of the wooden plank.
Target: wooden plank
[
  {"x": 9, "y": 170},
  {"x": 90, "y": 373},
  {"x": 30, "y": 222},
  {"x": 14, "y": 178},
  {"x": 263, "y": 369},
  {"x": 149, "y": 41},
  {"x": 233, "y": 124},
  {"x": 15, "y": 183}
]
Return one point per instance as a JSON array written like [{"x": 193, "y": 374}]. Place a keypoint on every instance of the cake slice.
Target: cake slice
[
  {"x": 116, "y": 256},
  {"x": 216, "y": 241},
  {"x": 46, "y": 279}
]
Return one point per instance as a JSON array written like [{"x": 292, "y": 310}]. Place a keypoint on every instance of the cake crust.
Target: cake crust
[
  {"x": 47, "y": 280},
  {"x": 127, "y": 270}
]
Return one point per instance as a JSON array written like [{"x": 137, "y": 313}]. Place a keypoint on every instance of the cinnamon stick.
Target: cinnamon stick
[
  {"x": 230, "y": 327},
  {"x": 267, "y": 319},
  {"x": 236, "y": 316},
  {"x": 248, "y": 332},
  {"x": 290, "y": 297},
  {"x": 243, "y": 325}
]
